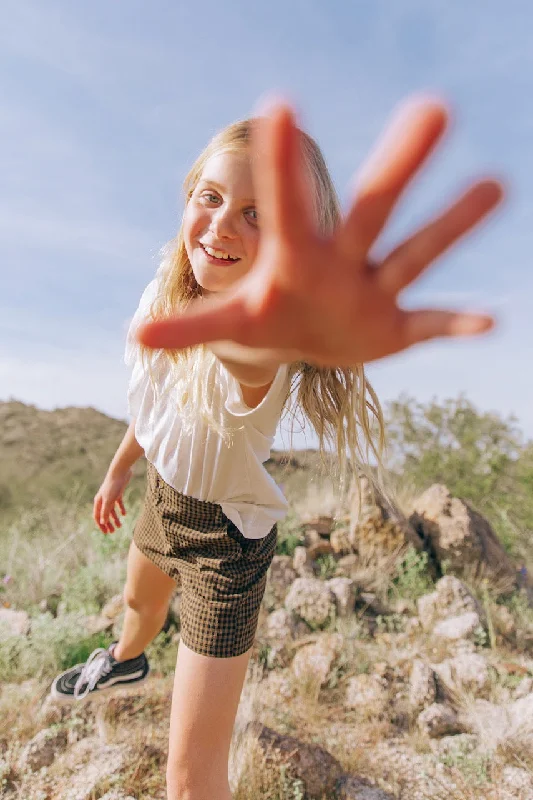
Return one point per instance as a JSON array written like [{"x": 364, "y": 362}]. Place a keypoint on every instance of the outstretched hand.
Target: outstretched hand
[{"x": 324, "y": 300}]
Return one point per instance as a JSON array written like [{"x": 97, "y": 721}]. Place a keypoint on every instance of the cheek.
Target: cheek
[
  {"x": 194, "y": 222},
  {"x": 252, "y": 244}
]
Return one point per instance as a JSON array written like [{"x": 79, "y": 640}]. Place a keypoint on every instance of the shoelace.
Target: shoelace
[{"x": 97, "y": 665}]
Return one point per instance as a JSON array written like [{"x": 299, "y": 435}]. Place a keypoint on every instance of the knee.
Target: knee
[{"x": 143, "y": 605}]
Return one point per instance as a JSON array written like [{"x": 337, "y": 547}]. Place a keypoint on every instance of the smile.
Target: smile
[{"x": 218, "y": 256}]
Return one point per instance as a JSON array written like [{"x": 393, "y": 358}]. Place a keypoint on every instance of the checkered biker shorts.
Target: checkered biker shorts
[{"x": 221, "y": 572}]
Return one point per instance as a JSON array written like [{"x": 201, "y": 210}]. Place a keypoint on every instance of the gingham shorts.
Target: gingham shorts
[{"x": 221, "y": 572}]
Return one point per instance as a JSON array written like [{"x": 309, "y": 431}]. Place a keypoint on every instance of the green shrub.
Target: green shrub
[
  {"x": 52, "y": 646},
  {"x": 289, "y": 535},
  {"x": 412, "y": 579}
]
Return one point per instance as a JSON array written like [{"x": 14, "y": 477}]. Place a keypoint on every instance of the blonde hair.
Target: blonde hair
[{"x": 340, "y": 403}]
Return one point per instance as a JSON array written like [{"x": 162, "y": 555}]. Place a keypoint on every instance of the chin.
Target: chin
[{"x": 211, "y": 283}]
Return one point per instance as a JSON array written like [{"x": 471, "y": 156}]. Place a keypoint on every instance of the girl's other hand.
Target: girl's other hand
[
  {"x": 108, "y": 496},
  {"x": 326, "y": 300}
]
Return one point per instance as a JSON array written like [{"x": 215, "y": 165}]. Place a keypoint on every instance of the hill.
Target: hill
[{"x": 53, "y": 455}]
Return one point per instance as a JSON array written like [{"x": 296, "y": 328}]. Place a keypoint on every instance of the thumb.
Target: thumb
[{"x": 208, "y": 321}]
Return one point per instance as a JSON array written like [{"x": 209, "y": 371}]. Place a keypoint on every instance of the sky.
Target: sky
[{"x": 104, "y": 106}]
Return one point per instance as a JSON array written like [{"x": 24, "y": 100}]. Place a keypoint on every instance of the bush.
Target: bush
[
  {"x": 412, "y": 578},
  {"x": 289, "y": 535},
  {"x": 52, "y": 646}
]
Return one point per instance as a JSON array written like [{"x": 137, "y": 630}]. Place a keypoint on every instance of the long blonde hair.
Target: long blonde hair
[{"x": 340, "y": 403}]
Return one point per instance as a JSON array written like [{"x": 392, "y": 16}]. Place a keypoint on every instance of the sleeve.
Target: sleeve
[
  {"x": 268, "y": 411},
  {"x": 139, "y": 393},
  {"x": 131, "y": 353}
]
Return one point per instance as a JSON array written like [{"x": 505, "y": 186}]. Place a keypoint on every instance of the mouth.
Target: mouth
[{"x": 222, "y": 258}]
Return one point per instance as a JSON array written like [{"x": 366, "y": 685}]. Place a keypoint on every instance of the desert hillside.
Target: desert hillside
[{"x": 393, "y": 654}]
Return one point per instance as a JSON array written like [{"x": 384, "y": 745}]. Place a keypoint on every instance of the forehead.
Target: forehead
[{"x": 231, "y": 171}]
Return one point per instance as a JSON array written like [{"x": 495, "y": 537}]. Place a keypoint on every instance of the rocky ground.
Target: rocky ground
[{"x": 389, "y": 663}]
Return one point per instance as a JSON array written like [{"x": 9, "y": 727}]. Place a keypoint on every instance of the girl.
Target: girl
[{"x": 266, "y": 289}]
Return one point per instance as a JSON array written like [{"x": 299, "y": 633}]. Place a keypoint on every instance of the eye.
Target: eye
[
  {"x": 253, "y": 213},
  {"x": 210, "y": 197}
]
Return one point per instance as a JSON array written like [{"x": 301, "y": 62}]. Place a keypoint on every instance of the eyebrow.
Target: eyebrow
[{"x": 221, "y": 188}]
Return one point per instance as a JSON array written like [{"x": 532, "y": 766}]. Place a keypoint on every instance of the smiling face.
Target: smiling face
[{"x": 220, "y": 227}]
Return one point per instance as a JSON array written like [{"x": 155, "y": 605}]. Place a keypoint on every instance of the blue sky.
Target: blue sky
[{"x": 105, "y": 105}]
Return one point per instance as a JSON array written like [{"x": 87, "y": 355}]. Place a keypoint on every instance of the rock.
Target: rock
[
  {"x": 450, "y": 598},
  {"x": 346, "y": 565},
  {"x": 456, "y": 746},
  {"x": 368, "y": 694},
  {"x": 340, "y": 542},
  {"x": 318, "y": 770},
  {"x": 280, "y": 578},
  {"x": 350, "y": 787},
  {"x": 372, "y": 604},
  {"x": 519, "y": 780},
  {"x": 465, "y": 673},
  {"x": 42, "y": 749},
  {"x": 311, "y": 600},
  {"x": 460, "y": 627},
  {"x": 438, "y": 720},
  {"x": 106, "y": 760},
  {"x": 313, "y": 662},
  {"x": 524, "y": 688},
  {"x": 116, "y": 794},
  {"x": 504, "y": 622},
  {"x": 377, "y": 529},
  {"x": 322, "y": 525},
  {"x": 283, "y": 625},
  {"x": 113, "y": 607},
  {"x": 279, "y": 686},
  {"x": 422, "y": 687},
  {"x": 16, "y": 622},
  {"x": 302, "y": 563},
  {"x": 460, "y": 536},
  {"x": 50, "y": 604},
  {"x": 345, "y": 591},
  {"x": 95, "y": 623},
  {"x": 320, "y": 548}
]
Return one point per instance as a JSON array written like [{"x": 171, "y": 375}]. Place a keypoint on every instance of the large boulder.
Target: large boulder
[
  {"x": 309, "y": 763},
  {"x": 461, "y": 537},
  {"x": 377, "y": 528}
]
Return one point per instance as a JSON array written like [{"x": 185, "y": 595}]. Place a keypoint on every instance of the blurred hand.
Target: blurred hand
[
  {"x": 108, "y": 497},
  {"x": 325, "y": 300}
]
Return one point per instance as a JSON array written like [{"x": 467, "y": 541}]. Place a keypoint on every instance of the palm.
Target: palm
[{"x": 324, "y": 301}]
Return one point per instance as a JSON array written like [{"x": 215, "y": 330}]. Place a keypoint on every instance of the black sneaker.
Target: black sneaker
[{"x": 101, "y": 672}]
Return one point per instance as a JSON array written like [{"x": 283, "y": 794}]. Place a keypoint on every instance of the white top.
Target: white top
[{"x": 196, "y": 461}]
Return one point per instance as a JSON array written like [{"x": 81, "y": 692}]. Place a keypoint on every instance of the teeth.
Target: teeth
[{"x": 216, "y": 253}]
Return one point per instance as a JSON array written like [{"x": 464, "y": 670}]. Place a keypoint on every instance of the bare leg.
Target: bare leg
[
  {"x": 204, "y": 706},
  {"x": 147, "y": 594}
]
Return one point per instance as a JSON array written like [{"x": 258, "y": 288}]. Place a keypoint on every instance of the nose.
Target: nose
[{"x": 223, "y": 223}]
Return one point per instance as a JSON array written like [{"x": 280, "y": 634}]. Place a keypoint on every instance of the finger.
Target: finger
[
  {"x": 96, "y": 509},
  {"x": 277, "y": 164},
  {"x": 423, "y": 324},
  {"x": 401, "y": 151},
  {"x": 121, "y": 505},
  {"x": 407, "y": 261},
  {"x": 118, "y": 523},
  {"x": 209, "y": 321}
]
